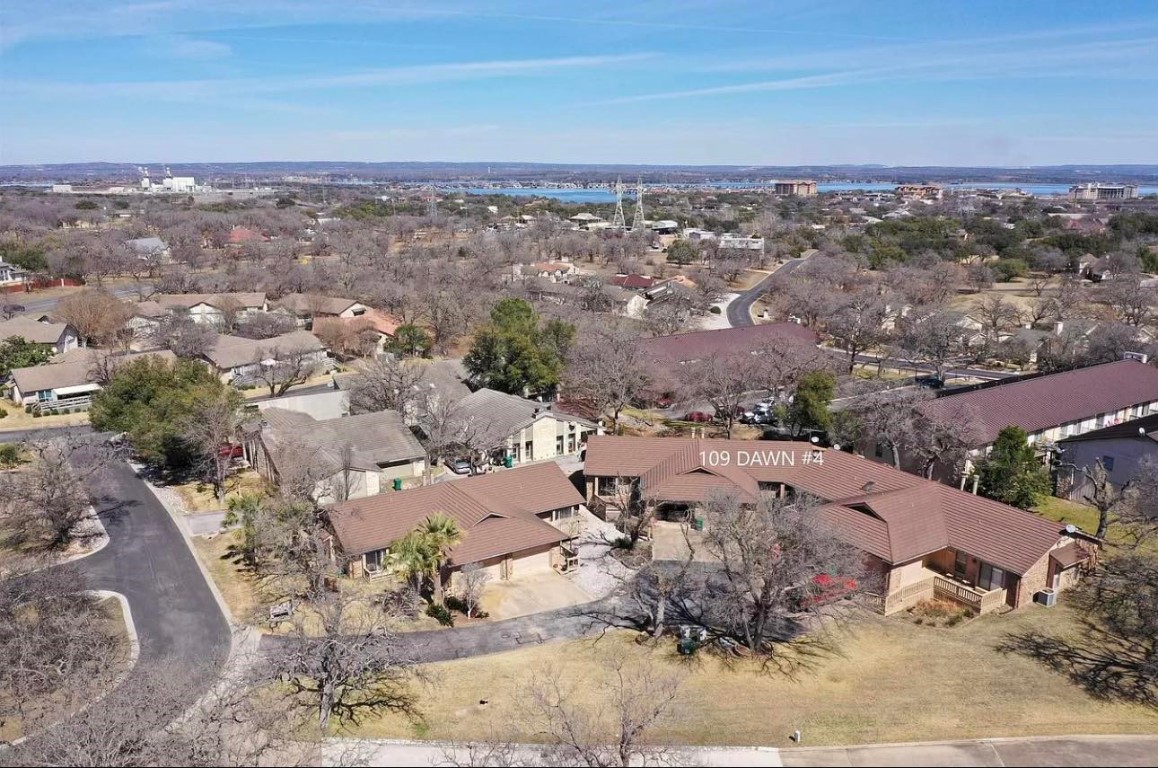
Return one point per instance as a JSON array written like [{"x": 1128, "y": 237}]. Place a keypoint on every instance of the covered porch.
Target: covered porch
[{"x": 948, "y": 574}]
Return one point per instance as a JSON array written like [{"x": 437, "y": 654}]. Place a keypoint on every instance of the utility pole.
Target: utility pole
[
  {"x": 619, "y": 222},
  {"x": 637, "y": 219}
]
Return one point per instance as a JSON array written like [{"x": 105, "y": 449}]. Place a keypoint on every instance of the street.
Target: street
[{"x": 740, "y": 310}]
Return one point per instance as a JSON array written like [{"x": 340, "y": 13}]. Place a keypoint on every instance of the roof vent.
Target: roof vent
[{"x": 867, "y": 487}]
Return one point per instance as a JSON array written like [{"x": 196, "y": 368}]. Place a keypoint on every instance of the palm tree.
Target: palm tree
[
  {"x": 412, "y": 558},
  {"x": 441, "y": 534}
]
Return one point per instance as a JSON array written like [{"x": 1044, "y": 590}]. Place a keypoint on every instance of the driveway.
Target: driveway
[{"x": 532, "y": 593}]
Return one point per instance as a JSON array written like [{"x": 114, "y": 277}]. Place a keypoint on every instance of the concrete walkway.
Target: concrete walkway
[{"x": 1042, "y": 751}]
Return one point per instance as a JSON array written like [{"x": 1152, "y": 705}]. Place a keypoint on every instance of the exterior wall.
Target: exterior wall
[
  {"x": 908, "y": 573},
  {"x": 544, "y": 434},
  {"x": 1127, "y": 453},
  {"x": 515, "y": 565},
  {"x": 67, "y": 342},
  {"x": 405, "y": 471},
  {"x": 1034, "y": 580}
]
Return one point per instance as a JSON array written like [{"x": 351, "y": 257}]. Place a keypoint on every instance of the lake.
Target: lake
[{"x": 600, "y": 195}]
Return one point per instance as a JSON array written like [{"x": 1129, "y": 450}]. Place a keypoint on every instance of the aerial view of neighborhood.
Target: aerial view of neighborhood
[{"x": 532, "y": 384}]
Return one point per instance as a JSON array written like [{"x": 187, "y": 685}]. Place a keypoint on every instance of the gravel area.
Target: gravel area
[{"x": 599, "y": 573}]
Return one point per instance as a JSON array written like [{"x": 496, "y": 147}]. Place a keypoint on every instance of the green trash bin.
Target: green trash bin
[
  {"x": 698, "y": 524},
  {"x": 397, "y": 483},
  {"x": 508, "y": 461}
]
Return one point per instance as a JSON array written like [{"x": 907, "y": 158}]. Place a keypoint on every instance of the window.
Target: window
[
  {"x": 991, "y": 577},
  {"x": 375, "y": 560},
  {"x": 879, "y": 451},
  {"x": 959, "y": 564},
  {"x": 44, "y": 395},
  {"x": 564, "y": 514},
  {"x": 1108, "y": 463}
]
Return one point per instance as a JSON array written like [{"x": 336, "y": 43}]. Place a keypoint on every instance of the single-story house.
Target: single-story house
[
  {"x": 239, "y": 236},
  {"x": 12, "y": 275},
  {"x": 1120, "y": 447},
  {"x": 345, "y": 458},
  {"x": 145, "y": 318},
  {"x": 305, "y": 307},
  {"x": 69, "y": 382},
  {"x": 921, "y": 539},
  {"x": 213, "y": 307},
  {"x": 633, "y": 281},
  {"x": 151, "y": 249},
  {"x": 373, "y": 324},
  {"x": 237, "y": 359},
  {"x": 513, "y": 523},
  {"x": 521, "y": 429},
  {"x": 62, "y": 337},
  {"x": 555, "y": 271}
]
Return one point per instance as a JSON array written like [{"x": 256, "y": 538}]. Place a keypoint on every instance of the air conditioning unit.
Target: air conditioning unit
[{"x": 1046, "y": 597}]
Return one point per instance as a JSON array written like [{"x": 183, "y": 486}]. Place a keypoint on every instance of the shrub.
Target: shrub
[
  {"x": 9, "y": 455},
  {"x": 715, "y": 310},
  {"x": 442, "y": 614},
  {"x": 28, "y": 409},
  {"x": 623, "y": 542},
  {"x": 3, "y": 413},
  {"x": 36, "y": 414}
]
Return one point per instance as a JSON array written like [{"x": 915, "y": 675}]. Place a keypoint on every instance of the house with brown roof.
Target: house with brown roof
[
  {"x": 341, "y": 458},
  {"x": 921, "y": 539},
  {"x": 305, "y": 307},
  {"x": 238, "y": 360},
  {"x": 69, "y": 382},
  {"x": 1053, "y": 406},
  {"x": 513, "y": 523},
  {"x": 213, "y": 308},
  {"x": 239, "y": 236},
  {"x": 61, "y": 337},
  {"x": 668, "y": 353}
]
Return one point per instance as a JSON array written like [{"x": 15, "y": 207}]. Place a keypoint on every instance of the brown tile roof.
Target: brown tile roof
[
  {"x": 1048, "y": 401},
  {"x": 633, "y": 281},
  {"x": 888, "y": 513},
  {"x": 699, "y": 345},
  {"x": 374, "y": 439},
  {"x": 1069, "y": 555},
  {"x": 501, "y": 508}
]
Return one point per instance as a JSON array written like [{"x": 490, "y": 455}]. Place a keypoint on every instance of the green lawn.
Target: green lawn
[{"x": 1064, "y": 511}]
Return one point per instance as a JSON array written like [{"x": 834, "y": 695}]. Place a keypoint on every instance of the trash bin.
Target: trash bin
[
  {"x": 397, "y": 484},
  {"x": 698, "y": 524},
  {"x": 508, "y": 461}
]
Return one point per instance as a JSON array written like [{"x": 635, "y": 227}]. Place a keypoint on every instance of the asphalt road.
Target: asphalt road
[
  {"x": 950, "y": 373},
  {"x": 43, "y": 306},
  {"x": 740, "y": 310}
]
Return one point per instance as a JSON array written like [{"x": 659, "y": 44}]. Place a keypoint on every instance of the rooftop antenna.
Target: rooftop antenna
[
  {"x": 618, "y": 221},
  {"x": 637, "y": 219}
]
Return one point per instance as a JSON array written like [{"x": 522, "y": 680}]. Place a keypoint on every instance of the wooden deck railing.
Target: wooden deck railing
[{"x": 980, "y": 600}]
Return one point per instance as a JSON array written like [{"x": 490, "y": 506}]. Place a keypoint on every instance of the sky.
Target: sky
[{"x": 696, "y": 82}]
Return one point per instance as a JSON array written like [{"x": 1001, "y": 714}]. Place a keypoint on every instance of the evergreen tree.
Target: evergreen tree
[
  {"x": 1012, "y": 472},
  {"x": 513, "y": 354}
]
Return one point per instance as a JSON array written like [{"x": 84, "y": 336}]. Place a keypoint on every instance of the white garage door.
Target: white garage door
[{"x": 532, "y": 564}]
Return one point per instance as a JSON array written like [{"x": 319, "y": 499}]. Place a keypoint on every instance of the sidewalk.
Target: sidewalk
[{"x": 1038, "y": 751}]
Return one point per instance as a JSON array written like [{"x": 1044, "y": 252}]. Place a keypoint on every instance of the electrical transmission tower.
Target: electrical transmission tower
[
  {"x": 637, "y": 219},
  {"x": 432, "y": 203},
  {"x": 619, "y": 222}
]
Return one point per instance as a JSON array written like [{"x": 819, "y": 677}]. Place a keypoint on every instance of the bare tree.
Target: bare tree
[
  {"x": 888, "y": 419},
  {"x": 387, "y": 384},
  {"x": 997, "y": 317},
  {"x": 1133, "y": 300},
  {"x": 933, "y": 336},
  {"x": 608, "y": 371},
  {"x": 279, "y": 369},
  {"x": 770, "y": 554},
  {"x": 472, "y": 581},
  {"x": 724, "y": 379},
  {"x": 98, "y": 317},
  {"x": 341, "y": 661},
  {"x": 211, "y": 428},
  {"x": 942, "y": 439},
  {"x": 184, "y": 336},
  {"x": 858, "y": 324},
  {"x": 264, "y": 325},
  {"x": 1139, "y": 508}
]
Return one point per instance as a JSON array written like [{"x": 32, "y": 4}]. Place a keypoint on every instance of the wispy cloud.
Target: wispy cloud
[
  {"x": 182, "y": 90},
  {"x": 182, "y": 47},
  {"x": 1119, "y": 58}
]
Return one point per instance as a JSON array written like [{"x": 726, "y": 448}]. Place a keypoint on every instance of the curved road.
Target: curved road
[
  {"x": 175, "y": 614},
  {"x": 740, "y": 310}
]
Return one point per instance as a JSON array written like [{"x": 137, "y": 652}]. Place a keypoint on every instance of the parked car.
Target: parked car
[
  {"x": 461, "y": 467},
  {"x": 230, "y": 451},
  {"x": 698, "y": 417},
  {"x": 929, "y": 382}
]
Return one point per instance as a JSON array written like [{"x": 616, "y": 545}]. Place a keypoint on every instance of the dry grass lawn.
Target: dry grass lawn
[
  {"x": 199, "y": 497},
  {"x": 56, "y": 706},
  {"x": 894, "y": 681},
  {"x": 17, "y": 419},
  {"x": 249, "y": 596}
]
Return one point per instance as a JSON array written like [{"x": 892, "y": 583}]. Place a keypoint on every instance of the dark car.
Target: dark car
[{"x": 929, "y": 382}]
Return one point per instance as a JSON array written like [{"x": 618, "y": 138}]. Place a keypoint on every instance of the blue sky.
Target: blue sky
[{"x": 702, "y": 82}]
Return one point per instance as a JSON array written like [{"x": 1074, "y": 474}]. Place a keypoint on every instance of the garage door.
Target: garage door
[{"x": 536, "y": 563}]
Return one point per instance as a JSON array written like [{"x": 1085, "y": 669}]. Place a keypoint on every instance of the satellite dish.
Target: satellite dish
[{"x": 1071, "y": 528}]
